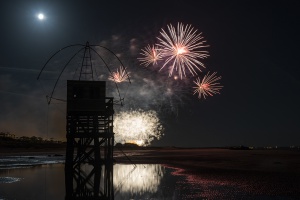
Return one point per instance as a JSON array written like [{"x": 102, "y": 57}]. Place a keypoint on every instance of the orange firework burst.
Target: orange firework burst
[
  {"x": 151, "y": 56},
  {"x": 208, "y": 85},
  {"x": 182, "y": 49},
  {"x": 119, "y": 76}
]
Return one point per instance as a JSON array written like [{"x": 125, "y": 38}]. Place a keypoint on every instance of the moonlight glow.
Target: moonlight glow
[
  {"x": 138, "y": 126},
  {"x": 41, "y": 16}
]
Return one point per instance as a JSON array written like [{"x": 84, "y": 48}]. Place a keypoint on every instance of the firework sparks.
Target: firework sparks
[
  {"x": 119, "y": 76},
  {"x": 151, "y": 56},
  {"x": 137, "y": 125},
  {"x": 208, "y": 85},
  {"x": 182, "y": 49}
]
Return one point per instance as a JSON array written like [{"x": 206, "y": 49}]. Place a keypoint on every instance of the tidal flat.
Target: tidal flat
[{"x": 183, "y": 173}]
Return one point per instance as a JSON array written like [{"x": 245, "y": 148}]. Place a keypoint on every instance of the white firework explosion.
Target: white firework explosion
[
  {"x": 182, "y": 48},
  {"x": 138, "y": 126}
]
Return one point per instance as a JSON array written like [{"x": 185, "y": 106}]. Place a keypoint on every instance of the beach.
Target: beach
[
  {"x": 281, "y": 161},
  {"x": 259, "y": 174},
  {"x": 214, "y": 172},
  {"x": 277, "y": 161}
]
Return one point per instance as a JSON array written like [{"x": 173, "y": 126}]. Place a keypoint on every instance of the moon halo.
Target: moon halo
[{"x": 41, "y": 16}]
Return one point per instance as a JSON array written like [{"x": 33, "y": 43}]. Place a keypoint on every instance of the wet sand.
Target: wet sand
[
  {"x": 257, "y": 173},
  {"x": 283, "y": 161},
  {"x": 278, "y": 161}
]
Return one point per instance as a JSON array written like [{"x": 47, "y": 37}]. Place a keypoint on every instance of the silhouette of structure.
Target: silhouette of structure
[{"x": 90, "y": 139}]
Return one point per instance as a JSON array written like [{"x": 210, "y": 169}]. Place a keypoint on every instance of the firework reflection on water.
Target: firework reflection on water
[{"x": 137, "y": 179}]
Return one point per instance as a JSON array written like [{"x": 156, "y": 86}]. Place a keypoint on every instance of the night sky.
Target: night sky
[{"x": 254, "y": 46}]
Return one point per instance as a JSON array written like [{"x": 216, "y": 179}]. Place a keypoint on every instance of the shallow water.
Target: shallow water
[
  {"x": 42, "y": 177},
  {"x": 9, "y": 162}
]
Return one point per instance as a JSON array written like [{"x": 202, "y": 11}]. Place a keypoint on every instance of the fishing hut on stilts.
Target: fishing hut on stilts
[{"x": 89, "y": 131}]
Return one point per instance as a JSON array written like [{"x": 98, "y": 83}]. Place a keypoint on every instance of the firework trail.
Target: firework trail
[
  {"x": 208, "y": 85},
  {"x": 119, "y": 76},
  {"x": 151, "y": 56},
  {"x": 182, "y": 48},
  {"x": 137, "y": 126}
]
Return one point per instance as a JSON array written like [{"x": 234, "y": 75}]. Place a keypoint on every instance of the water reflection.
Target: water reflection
[
  {"x": 136, "y": 179},
  {"x": 9, "y": 179},
  {"x": 147, "y": 181},
  {"x": 40, "y": 182},
  {"x": 48, "y": 181},
  {"x": 89, "y": 181},
  {"x": 129, "y": 180},
  {"x": 9, "y": 162}
]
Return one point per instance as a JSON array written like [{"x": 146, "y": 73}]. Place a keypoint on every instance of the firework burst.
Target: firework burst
[
  {"x": 151, "y": 56},
  {"x": 119, "y": 76},
  {"x": 182, "y": 49},
  {"x": 137, "y": 126},
  {"x": 208, "y": 85}
]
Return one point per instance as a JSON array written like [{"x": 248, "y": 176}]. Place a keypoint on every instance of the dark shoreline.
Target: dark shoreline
[{"x": 277, "y": 161}]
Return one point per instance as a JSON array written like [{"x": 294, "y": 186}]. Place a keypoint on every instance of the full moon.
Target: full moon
[{"x": 41, "y": 16}]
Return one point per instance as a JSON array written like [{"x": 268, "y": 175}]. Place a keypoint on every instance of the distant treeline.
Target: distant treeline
[{"x": 8, "y": 140}]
